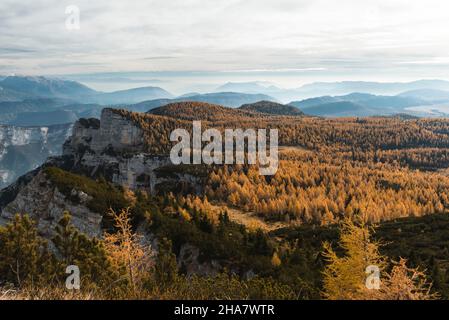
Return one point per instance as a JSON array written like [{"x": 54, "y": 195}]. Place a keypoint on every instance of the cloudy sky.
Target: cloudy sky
[{"x": 288, "y": 42}]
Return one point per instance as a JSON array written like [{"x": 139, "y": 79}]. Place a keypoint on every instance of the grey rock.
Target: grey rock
[{"x": 43, "y": 202}]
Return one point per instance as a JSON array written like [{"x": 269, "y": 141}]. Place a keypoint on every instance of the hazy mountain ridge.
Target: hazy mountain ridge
[
  {"x": 379, "y": 88},
  {"x": 31, "y": 110},
  {"x": 318, "y": 89},
  {"x": 43, "y": 87},
  {"x": 433, "y": 95},
  {"x": 358, "y": 104},
  {"x": 269, "y": 107},
  {"x": 46, "y": 88},
  {"x": 131, "y": 95}
]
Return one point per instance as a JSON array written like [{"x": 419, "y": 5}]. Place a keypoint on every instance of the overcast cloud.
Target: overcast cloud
[{"x": 317, "y": 39}]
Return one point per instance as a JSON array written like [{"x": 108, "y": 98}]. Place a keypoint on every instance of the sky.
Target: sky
[{"x": 197, "y": 44}]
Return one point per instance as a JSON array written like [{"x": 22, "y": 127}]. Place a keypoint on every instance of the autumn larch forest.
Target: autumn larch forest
[{"x": 352, "y": 95}]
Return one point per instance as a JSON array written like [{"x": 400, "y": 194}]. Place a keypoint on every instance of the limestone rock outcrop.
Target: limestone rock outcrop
[
  {"x": 43, "y": 202},
  {"x": 113, "y": 148}
]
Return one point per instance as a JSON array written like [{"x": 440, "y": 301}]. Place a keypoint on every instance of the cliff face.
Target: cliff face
[
  {"x": 43, "y": 202},
  {"x": 25, "y": 148},
  {"x": 112, "y": 131},
  {"x": 111, "y": 147}
]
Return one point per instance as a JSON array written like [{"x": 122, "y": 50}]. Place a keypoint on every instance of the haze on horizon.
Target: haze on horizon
[{"x": 198, "y": 45}]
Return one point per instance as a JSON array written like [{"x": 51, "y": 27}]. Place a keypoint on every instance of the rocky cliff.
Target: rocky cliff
[
  {"x": 113, "y": 148},
  {"x": 25, "y": 148},
  {"x": 46, "y": 205}
]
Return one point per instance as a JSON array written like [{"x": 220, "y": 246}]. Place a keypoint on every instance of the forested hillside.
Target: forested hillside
[{"x": 227, "y": 231}]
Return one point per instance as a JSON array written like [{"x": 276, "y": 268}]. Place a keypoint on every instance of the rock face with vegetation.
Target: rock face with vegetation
[
  {"x": 112, "y": 149},
  {"x": 115, "y": 148},
  {"x": 43, "y": 201},
  {"x": 112, "y": 131},
  {"x": 23, "y": 148}
]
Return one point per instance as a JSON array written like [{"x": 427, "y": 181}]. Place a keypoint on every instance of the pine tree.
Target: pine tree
[
  {"x": 166, "y": 268},
  {"x": 75, "y": 248},
  {"x": 24, "y": 256}
]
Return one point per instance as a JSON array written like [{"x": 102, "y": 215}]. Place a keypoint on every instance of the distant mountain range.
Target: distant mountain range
[
  {"x": 279, "y": 94},
  {"x": 45, "y": 111},
  {"x": 433, "y": 95},
  {"x": 17, "y": 88},
  {"x": 378, "y": 88},
  {"x": 359, "y": 104},
  {"x": 41, "y": 87},
  {"x": 318, "y": 89},
  {"x": 39, "y": 100},
  {"x": 36, "y": 101},
  {"x": 130, "y": 95},
  {"x": 248, "y": 87}
]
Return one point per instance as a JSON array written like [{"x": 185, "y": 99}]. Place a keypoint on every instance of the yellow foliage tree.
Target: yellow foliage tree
[
  {"x": 404, "y": 283},
  {"x": 127, "y": 253},
  {"x": 275, "y": 260},
  {"x": 345, "y": 277}
]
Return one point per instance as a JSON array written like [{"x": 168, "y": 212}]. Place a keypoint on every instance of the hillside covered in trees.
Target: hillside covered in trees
[{"x": 241, "y": 235}]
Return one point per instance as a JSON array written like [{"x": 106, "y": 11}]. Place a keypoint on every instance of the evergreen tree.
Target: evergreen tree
[
  {"x": 166, "y": 268},
  {"x": 75, "y": 248},
  {"x": 24, "y": 256}
]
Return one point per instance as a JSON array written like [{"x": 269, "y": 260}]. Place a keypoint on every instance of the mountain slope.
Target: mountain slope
[
  {"x": 11, "y": 95},
  {"x": 131, "y": 95},
  {"x": 337, "y": 109},
  {"x": 357, "y": 104},
  {"x": 9, "y": 110},
  {"x": 46, "y": 87},
  {"x": 47, "y": 118},
  {"x": 199, "y": 111},
  {"x": 17, "y": 88},
  {"x": 230, "y": 99},
  {"x": 427, "y": 94},
  {"x": 45, "y": 111},
  {"x": 269, "y": 107},
  {"x": 227, "y": 99}
]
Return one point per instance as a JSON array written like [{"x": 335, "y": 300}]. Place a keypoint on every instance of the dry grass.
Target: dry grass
[
  {"x": 249, "y": 219},
  {"x": 46, "y": 294}
]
